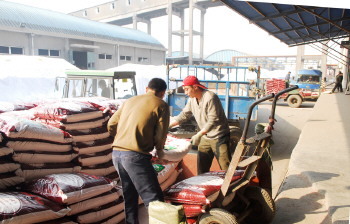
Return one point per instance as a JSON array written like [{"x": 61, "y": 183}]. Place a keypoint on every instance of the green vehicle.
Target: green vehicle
[{"x": 94, "y": 83}]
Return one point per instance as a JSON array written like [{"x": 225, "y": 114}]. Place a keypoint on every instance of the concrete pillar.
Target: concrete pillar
[
  {"x": 324, "y": 60},
  {"x": 182, "y": 37},
  {"x": 134, "y": 22},
  {"x": 300, "y": 58},
  {"x": 31, "y": 44},
  {"x": 202, "y": 36},
  {"x": 170, "y": 28},
  {"x": 190, "y": 36},
  {"x": 149, "y": 27}
]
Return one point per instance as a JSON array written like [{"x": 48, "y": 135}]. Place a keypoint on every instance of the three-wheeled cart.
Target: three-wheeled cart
[{"x": 242, "y": 194}]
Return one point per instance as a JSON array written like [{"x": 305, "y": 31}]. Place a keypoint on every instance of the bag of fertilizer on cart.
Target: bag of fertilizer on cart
[{"x": 165, "y": 213}]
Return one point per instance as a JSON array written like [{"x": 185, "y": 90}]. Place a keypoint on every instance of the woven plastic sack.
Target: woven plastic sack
[
  {"x": 86, "y": 124},
  {"x": 67, "y": 111},
  {"x": 70, "y": 188},
  {"x": 175, "y": 148},
  {"x": 21, "y": 207},
  {"x": 95, "y": 202},
  {"x": 165, "y": 213},
  {"x": 195, "y": 190},
  {"x": 18, "y": 128},
  {"x": 101, "y": 213},
  {"x": 93, "y": 146}
]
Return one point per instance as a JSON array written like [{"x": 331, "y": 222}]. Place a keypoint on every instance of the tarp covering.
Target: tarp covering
[
  {"x": 28, "y": 78},
  {"x": 144, "y": 73}
]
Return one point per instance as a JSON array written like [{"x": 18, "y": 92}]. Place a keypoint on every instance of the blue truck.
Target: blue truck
[{"x": 231, "y": 85}]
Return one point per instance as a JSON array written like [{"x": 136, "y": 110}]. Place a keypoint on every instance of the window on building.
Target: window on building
[
  {"x": 85, "y": 13},
  {"x": 104, "y": 56},
  {"x": 11, "y": 50},
  {"x": 112, "y": 5},
  {"x": 43, "y": 52},
  {"x": 125, "y": 58},
  {"x": 128, "y": 2},
  {"x": 142, "y": 59},
  {"x": 97, "y": 10},
  {"x": 4, "y": 50},
  {"x": 16, "y": 50},
  {"x": 54, "y": 53},
  {"x": 47, "y": 52}
]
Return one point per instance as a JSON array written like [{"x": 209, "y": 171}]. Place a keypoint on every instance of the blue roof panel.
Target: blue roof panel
[
  {"x": 295, "y": 24},
  {"x": 17, "y": 15}
]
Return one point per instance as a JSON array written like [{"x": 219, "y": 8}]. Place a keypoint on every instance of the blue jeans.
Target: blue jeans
[{"x": 138, "y": 177}]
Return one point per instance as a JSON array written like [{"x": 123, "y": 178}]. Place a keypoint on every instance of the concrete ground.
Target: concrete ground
[{"x": 317, "y": 185}]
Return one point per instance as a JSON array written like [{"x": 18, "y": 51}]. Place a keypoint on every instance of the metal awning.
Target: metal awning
[{"x": 297, "y": 25}]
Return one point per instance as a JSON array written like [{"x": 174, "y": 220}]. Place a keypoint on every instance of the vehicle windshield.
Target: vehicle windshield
[
  {"x": 98, "y": 87},
  {"x": 309, "y": 78},
  {"x": 124, "y": 88}
]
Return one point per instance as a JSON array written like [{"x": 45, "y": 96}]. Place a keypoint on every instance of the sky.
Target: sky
[{"x": 224, "y": 29}]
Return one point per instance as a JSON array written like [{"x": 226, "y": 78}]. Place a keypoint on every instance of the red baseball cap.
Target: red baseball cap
[{"x": 192, "y": 81}]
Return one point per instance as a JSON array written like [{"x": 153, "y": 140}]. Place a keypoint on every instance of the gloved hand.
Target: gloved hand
[{"x": 196, "y": 138}]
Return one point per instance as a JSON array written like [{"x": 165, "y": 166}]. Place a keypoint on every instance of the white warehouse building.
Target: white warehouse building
[{"x": 87, "y": 44}]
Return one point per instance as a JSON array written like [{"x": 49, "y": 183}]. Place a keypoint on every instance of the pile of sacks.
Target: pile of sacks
[
  {"x": 65, "y": 198},
  {"x": 38, "y": 148},
  {"x": 51, "y": 144},
  {"x": 87, "y": 125}
]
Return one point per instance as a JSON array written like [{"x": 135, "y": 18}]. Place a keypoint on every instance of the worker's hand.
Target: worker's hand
[
  {"x": 160, "y": 154},
  {"x": 196, "y": 138}
]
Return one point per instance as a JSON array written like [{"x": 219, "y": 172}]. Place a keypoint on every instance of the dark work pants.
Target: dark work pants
[
  {"x": 208, "y": 148},
  {"x": 338, "y": 86},
  {"x": 138, "y": 177}
]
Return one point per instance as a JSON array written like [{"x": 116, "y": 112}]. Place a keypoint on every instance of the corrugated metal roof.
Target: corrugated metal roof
[
  {"x": 17, "y": 15},
  {"x": 295, "y": 24},
  {"x": 224, "y": 56}
]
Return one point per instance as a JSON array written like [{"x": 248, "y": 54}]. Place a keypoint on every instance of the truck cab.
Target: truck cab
[
  {"x": 92, "y": 83},
  {"x": 309, "y": 83}
]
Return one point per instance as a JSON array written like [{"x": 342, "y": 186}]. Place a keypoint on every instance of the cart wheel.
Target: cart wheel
[
  {"x": 218, "y": 216},
  {"x": 294, "y": 101},
  {"x": 262, "y": 205},
  {"x": 235, "y": 136}
]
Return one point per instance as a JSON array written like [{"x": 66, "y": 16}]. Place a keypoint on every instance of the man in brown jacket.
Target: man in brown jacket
[{"x": 139, "y": 126}]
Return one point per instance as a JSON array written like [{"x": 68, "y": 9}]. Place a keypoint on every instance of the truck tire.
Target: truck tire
[
  {"x": 218, "y": 216},
  {"x": 294, "y": 101},
  {"x": 235, "y": 137},
  {"x": 262, "y": 205}
]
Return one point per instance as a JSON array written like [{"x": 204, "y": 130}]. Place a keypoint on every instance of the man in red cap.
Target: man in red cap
[{"x": 214, "y": 135}]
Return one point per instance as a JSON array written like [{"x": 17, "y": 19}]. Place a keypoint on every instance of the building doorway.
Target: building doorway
[{"x": 80, "y": 59}]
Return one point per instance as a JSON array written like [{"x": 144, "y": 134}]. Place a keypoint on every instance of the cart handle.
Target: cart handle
[
  {"x": 249, "y": 115},
  {"x": 273, "y": 109}
]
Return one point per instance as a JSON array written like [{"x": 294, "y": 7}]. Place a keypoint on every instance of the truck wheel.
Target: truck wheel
[
  {"x": 218, "y": 216},
  {"x": 294, "y": 101},
  {"x": 262, "y": 205},
  {"x": 235, "y": 136}
]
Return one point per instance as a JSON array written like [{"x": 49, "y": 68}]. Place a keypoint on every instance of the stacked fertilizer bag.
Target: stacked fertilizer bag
[
  {"x": 9, "y": 169},
  {"x": 87, "y": 124},
  {"x": 167, "y": 168},
  {"x": 275, "y": 85},
  {"x": 8, "y": 106},
  {"x": 40, "y": 149},
  {"x": 90, "y": 199},
  {"x": 27, "y": 208}
]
